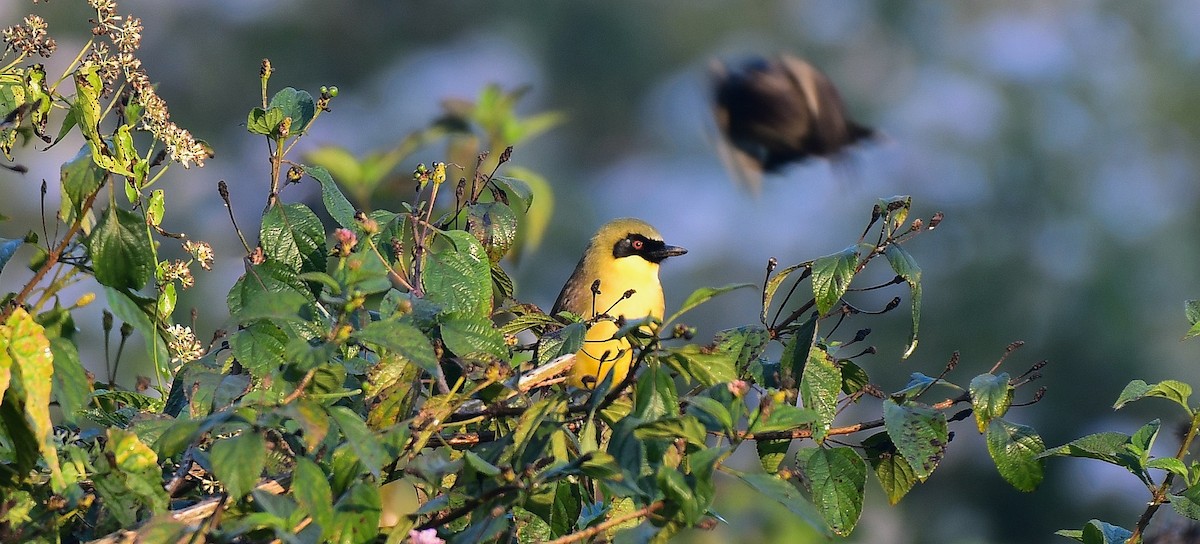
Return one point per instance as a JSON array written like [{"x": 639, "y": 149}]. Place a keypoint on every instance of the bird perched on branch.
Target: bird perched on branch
[
  {"x": 775, "y": 112},
  {"x": 616, "y": 277}
]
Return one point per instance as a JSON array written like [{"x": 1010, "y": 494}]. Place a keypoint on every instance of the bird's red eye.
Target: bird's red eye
[{"x": 637, "y": 245}]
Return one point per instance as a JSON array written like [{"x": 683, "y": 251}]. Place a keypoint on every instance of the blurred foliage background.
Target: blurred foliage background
[{"x": 1059, "y": 139}]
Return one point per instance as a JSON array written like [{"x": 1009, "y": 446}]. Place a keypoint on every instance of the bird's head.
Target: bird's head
[{"x": 632, "y": 243}]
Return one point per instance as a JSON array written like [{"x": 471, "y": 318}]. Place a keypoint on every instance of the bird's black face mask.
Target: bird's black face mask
[{"x": 651, "y": 250}]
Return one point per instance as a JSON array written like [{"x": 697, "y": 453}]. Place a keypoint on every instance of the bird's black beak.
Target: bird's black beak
[{"x": 658, "y": 254}]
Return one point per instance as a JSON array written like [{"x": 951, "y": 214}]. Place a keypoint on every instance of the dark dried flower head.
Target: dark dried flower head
[{"x": 29, "y": 38}]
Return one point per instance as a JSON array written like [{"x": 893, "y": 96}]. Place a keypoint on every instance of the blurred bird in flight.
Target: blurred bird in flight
[{"x": 776, "y": 112}]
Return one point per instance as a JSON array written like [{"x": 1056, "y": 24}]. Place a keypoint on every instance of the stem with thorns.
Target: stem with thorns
[{"x": 52, "y": 258}]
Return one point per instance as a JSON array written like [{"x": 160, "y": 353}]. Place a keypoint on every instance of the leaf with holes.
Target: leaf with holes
[
  {"x": 819, "y": 388},
  {"x": 919, "y": 433},
  {"x": 837, "y": 477}
]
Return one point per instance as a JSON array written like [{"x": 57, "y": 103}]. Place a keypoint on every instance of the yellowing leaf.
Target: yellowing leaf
[{"x": 26, "y": 355}]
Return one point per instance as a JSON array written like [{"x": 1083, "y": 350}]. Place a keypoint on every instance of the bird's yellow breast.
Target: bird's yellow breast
[{"x": 620, "y": 276}]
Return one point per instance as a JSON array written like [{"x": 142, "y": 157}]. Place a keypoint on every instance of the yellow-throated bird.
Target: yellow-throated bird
[{"x": 622, "y": 257}]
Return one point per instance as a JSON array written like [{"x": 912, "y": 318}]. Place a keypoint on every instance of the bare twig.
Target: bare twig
[{"x": 600, "y": 528}]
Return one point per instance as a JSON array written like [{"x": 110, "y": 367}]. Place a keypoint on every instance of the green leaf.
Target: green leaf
[
  {"x": 71, "y": 387},
  {"x": 1142, "y": 440},
  {"x": 176, "y": 438},
  {"x": 895, "y": 208},
  {"x": 312, "y": 419},
  {"x": 772, "y": 285},
  {"x": 533, "y": 430},
  {"x": 702, "y": 295},
  {"x": 771, "y": 453},
  {"x": 831, "y": 277},
  {"x": 1098, "y": 532},
  {"x": 1191, "y": 310},
  {"x": 895, "y": 474},
  {"x": 120, "y": 251},
  {"x": 298, "y": 105},
  {"x": 1109, "y": 447},
  {"x": 24, "y": 445},
  {"x": 1187, "y": 504},
  {"x": 655, "y": 395},
  {"x": 473, "y": 337},
  {"x": 711, "y": 412},
  {"x": 854, "y": 378},
  {"x": 401, "y": 339},
  {"x": 919, "y": 433},
  {"x": 918, "y": 383},
  {"x": 1168, "y": 389},
  {"x": 238, "y": 461},
  {"x": 280, "y": 305},
  {"x": 79, "y": 178},
  {"x": 356, "y": 515},
  {"x": 1169, "y": 464},
  {"x": 1015, "y": 449},
  {"x": 264, "y": 122},
  {"x": 819, "y": 388},
  {"x": 336, "y": 204},
  {"x": 785, "y": 417},
  {"x": 292, "y": 234},
  {"x": 259, "y": 347},
  {"x": 670, "y": 428},
  {"x": 796, "y": 352},
  {"x": 906, "y": 267},
  {"x": 786, "y": 494},
  {"x": 494, "y": 225},
  {"x": 990, "y": 398},
  {"x": 566, "y": 340},
  {"x": 732, "y": 351},
  {"x": 457, "y": 274},
  {"x": 364, "y": 272},
  {"x": 364, "y": 442},
  {"x": 678, "y": 495},
  {"x": 480, "y": 465},
  {"x": 310, "y": 488},
  {"x": 304, "y": 356},
  {"x": 837, "y": 477},
  {"x": 531, "y": 528}
]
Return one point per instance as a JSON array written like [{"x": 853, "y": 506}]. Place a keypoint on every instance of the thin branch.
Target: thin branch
[
  {"x": 600, "y": 528},
  {"x": 1160, "y": 494},
  {"x": 51, "y": 258}
]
